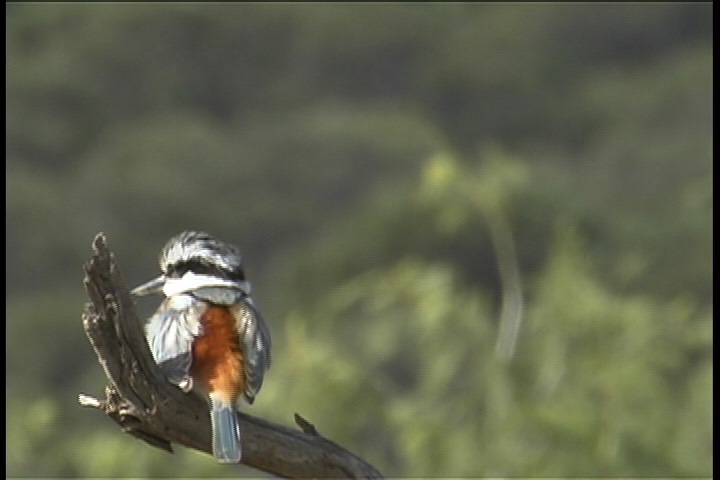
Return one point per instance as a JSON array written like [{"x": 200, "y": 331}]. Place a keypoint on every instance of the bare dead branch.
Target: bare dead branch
[{"x": 147, "y": 406}]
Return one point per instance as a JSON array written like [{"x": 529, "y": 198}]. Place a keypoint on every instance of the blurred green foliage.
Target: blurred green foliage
[{"x": 359, "y": 154}]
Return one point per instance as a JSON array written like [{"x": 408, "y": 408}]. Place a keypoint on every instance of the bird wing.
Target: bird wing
[
  {"x": 170, "y": 333},
  {"x": 255, "y": 338}
]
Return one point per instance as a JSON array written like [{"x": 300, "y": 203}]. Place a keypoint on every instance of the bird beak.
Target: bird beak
[{"x": 153, "y": 286}]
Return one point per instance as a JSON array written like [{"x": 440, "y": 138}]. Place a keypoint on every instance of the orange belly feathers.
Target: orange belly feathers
[{"x": 217, "y": 365}]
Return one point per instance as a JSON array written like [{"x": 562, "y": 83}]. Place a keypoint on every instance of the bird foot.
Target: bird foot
[{"x": 186, "y": 384}]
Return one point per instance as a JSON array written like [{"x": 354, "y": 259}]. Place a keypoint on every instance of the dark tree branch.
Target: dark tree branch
[{"x": 147, "y": 406}]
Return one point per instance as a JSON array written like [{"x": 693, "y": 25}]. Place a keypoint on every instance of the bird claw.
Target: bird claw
[{"x": 186, "y": 384}]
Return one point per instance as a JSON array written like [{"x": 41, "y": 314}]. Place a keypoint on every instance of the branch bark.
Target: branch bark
[{"x": 147, "y": 406}]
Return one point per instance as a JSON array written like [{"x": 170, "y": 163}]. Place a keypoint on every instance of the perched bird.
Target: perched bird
[{"x": 208, "y": 334}]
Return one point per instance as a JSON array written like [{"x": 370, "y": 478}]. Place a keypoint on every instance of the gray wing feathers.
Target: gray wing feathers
[
  {"x": 255, "y": 336},
  {"x": 170, "y": 334}
]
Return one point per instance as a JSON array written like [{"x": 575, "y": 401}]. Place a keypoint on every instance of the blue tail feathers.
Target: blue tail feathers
[{"x": 225, "y": 432}]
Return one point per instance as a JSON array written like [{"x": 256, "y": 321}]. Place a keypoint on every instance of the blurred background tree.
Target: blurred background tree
[{"x": 354, "y": 153}]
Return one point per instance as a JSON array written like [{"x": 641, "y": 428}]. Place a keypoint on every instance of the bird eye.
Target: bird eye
[{"x": 177, "y": 270}]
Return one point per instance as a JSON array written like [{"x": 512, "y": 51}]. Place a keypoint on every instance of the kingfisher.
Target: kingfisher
[{"x": 208, "y": 336}]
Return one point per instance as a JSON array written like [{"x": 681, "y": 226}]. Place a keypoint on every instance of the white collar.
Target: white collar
[{"x": 191, "y": 281}]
